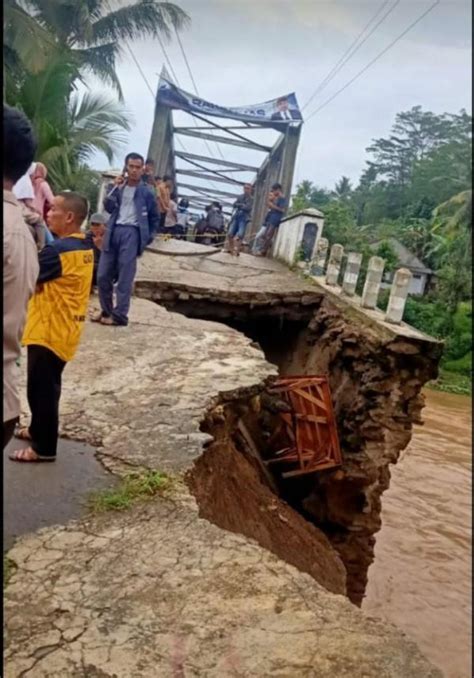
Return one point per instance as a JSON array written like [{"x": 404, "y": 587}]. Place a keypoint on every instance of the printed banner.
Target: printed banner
[{"x": 282, "y": 110}]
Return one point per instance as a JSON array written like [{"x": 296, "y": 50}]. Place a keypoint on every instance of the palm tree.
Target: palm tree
[
  {"x": 91, "y": 30},
  {"x": 343, "y": 188}
]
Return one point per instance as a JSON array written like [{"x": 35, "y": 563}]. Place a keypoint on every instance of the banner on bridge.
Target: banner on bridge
[{"x": 282, "y": 110}]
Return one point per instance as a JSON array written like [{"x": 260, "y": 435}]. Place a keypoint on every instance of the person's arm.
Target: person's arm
[
  {"x": 47, "y": 192},
  {"x": 49, "y": 265},
  {"x": 111, "y": 201}
]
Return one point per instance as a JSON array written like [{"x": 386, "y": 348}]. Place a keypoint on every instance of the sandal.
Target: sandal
[
  {"x": 97, "y": 317},
  {"x": 111, "y": 322},
  {"x": 29, "y": 456},
  {"x": 23, "y": 433}
]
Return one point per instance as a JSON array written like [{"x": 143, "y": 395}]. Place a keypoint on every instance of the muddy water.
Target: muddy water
[{"x": 421, "y": 577}]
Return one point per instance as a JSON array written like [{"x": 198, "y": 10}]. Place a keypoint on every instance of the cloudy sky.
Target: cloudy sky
[{"x": 250, "y": 51}]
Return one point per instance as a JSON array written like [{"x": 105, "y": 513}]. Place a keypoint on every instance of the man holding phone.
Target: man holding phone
[{"x": 134, "y": 220}]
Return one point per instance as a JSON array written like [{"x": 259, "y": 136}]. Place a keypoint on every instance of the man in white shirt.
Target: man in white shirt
[{"x": 20, "y": 259}]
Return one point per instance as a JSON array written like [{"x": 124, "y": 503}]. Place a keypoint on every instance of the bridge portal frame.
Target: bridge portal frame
[{"x": 277, "y": 166}]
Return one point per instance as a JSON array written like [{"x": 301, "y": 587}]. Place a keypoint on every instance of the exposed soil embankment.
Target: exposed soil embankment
[
  {"x": 231, "y": 491},
  {"x": 156, "y": 590},
  {"x": 376, "y": 374}
]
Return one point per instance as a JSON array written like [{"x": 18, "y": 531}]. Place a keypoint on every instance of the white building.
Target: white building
[{"x": 421, "y": 274}]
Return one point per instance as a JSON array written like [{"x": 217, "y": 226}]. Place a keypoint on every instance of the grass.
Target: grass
[
  {"x": 134, "y": 487},
  {"x": 452, "y": 382},
  {"x": 9, "y": 568}
]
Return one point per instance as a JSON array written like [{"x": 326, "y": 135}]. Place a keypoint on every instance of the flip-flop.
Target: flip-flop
[
  {"x": 24, "y": 456},
  {"x": 23, "y": 433}
]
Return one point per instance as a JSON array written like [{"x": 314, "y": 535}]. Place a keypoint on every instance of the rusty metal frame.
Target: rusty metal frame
[{"x": 310, "y": 427}]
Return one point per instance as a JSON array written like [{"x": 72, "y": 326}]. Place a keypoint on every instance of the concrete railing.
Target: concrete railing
[{"x": 329, "y": 268}]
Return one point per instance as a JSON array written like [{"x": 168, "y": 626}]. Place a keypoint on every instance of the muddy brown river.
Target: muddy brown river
[{"x": 421, "y": 577}]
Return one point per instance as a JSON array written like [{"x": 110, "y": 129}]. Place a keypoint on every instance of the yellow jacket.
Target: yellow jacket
[{"x": 57, "y": 310}]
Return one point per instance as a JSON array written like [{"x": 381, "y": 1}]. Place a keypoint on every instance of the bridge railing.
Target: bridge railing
[{"x": 326, "y": 266}]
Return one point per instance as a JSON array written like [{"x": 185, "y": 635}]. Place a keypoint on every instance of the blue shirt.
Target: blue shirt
[{"x": 274, "y": 216}]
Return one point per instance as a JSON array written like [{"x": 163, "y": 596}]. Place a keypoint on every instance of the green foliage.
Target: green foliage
[
  {"x": 385, "y": 251},
  {"x": 461, "y": 365},
  {"x": 50, "y": 47},
  {"x": 89, "y": 32},
  {"x": 309, "y": 195},
  {"x": 416, "y": 188},
  {"x": 459, "y": 341},
  {"x": 132, "y": 488},
  {"x": 451, "y": 382},
  {"x": 430, "y": 317}
]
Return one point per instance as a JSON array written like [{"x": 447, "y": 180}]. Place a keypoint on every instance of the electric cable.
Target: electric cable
[{"x": 376, "y": 58}]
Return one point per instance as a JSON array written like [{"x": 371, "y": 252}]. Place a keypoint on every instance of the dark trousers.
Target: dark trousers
[
  {"x": 44, "y": 391},
  {"x": 8, "y": 429},
  {"x": 161, "y": 227},
  {"x": 119, "y": 262}
]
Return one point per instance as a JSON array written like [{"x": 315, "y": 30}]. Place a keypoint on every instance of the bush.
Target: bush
[
  {"x": 432, "y": 318},
  {"x": 461, "y": 365}
]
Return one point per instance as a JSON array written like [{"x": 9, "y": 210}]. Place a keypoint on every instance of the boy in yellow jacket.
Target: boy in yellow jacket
[{"x": 56, "y": 315}]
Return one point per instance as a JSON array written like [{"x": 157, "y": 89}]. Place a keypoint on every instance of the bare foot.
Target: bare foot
[{"x": 28, "y": 455}]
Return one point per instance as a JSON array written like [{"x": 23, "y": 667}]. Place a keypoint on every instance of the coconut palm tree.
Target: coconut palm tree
[
  {"x": 95, "y": 32},
  {"x": 343, "y": 188}
]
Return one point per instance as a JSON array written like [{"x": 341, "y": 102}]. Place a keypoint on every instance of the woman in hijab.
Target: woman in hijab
[{"x": 43, "y": 194}]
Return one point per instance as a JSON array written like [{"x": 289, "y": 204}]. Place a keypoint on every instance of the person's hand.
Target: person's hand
[
  {"x": 118, "y": 181},
  {"x": 98, "y": 239}
]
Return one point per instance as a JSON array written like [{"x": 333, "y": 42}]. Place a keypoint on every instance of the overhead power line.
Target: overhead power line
[
  {"x": 148, "y": 85},
  {"x": 376, "y": 58},
  {"x": 183, "y": 52},
  {"x": 354, "y": 47}
]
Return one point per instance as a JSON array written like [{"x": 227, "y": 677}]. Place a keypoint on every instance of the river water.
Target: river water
[{"x": 421, "y": 577}]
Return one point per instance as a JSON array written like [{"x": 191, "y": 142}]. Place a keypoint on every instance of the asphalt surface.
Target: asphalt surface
[{"x": 39, "y": 495}]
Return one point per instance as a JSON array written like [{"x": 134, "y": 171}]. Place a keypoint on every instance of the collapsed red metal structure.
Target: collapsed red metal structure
[{"x": 310, "y": 426}]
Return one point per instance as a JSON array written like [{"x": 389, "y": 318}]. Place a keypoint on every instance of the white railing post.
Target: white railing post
[
  {"x": 372, "y": 283},
  {"x": 334, "y": 265},
  {"x": 351, "y": 274},
  {"x": 398, "y": 296}
]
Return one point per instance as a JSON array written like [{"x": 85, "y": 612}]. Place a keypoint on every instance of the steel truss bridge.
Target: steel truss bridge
[{"x": 196, "y": 175}]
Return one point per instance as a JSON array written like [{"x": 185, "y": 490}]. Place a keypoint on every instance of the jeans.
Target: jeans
[
  {"x": 263, "y": 239},
  {"x": 120, "y": 261},
  {"x": 238, "y": 225},
  {"x": 258, "y": 242}
]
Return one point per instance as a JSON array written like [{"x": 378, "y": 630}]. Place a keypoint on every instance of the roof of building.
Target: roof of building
[
  {"x": 406, "y": 258},
  {"x": 309, "y": 212}
]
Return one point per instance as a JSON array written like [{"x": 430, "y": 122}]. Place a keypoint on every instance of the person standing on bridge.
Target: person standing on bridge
[
  {"x": 165, "y": 188},
  {"x": 133, "y": 222},
  {"x": 243, "y": 209},
  {"x": 276, "y": 208}
]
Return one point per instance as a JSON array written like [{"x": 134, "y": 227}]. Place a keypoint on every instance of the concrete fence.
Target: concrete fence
[{"x": 329, "y": 270}]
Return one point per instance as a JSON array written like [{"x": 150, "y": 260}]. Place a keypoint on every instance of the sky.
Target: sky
[{"x": 250, "y": 51}]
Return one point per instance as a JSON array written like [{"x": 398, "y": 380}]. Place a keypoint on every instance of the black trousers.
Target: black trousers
[
  {"x": 8, "y": 429},
  {"x": 44, "y": 391}
]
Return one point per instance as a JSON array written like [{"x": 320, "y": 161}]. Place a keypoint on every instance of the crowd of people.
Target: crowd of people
[{"x": 51, "y": 266}]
